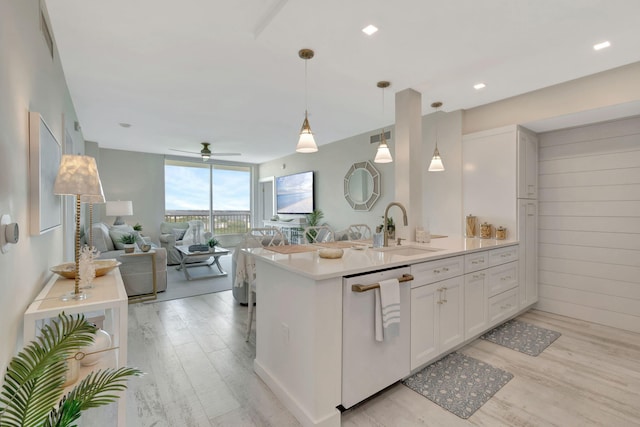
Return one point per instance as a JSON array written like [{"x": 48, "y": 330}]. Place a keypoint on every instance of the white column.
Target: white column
[{"x": 408, "y": 161}]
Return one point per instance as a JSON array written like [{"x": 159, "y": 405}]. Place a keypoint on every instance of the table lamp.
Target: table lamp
[
  {"x": 119, "y": 209},
  {"x": 92, "y": 200},
  {"x": 77, "y": 176}
]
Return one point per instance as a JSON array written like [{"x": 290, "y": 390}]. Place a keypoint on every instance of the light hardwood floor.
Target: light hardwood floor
[{"x": 199, "y": 373}]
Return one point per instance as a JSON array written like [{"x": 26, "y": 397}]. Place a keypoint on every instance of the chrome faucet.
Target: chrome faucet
[{"x": 386, "y": 213}]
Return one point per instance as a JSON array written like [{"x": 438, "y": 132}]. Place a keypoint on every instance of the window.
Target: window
[{"x": 217, "y": 194}]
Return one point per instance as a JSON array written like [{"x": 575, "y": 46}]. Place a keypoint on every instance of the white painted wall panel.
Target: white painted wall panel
[
  {"x": 590, "y": 284},
  {"x": 599, "y": 270},
  {"x": 589, "y": 223}
]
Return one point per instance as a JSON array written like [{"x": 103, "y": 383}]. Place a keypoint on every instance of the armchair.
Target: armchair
[{"x": 172, "y": 234}]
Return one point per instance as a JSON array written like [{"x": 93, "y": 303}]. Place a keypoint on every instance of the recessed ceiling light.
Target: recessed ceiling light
[
  {"x": 479, "y": 86},
  {"x": 369, "y": 29},
  {"x": 602, "y": 45},
  {"x": 125, "y": 125}
]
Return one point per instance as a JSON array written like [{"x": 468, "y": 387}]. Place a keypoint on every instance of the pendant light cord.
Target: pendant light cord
[{"x": 306, "y": 89}]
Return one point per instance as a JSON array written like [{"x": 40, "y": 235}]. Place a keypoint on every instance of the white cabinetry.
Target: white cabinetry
[
  {"x": 528, "y": 232},
  {"x": 500, "y": 186},
  {"x": 475, "y": 303},
  {"x": 527, "y": 164},
  {"x": 437, "y": 309},
  {"x": 489, "y": 276}
]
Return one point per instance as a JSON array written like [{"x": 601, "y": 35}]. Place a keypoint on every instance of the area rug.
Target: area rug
[
  {"x": 523, "y": 337},
  {"x": 179, "y": 287},
  {"x": 458, "y": 383}
]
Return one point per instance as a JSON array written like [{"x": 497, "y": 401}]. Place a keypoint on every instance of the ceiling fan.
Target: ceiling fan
[{"x": 206, "y": 153}]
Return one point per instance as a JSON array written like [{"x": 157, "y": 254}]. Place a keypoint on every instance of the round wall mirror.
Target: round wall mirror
[{"x": 362, "y": 186}]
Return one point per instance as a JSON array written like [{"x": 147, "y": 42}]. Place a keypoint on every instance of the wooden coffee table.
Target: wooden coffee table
[{"x": 201, "y": 259}]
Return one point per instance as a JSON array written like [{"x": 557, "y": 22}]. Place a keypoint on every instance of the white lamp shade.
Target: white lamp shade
[
  {"x": 383, "y": 155},
  {"x": 93, "y": 198},
  {"x": 436, "y": 163},
  {"x": 120, "y": 208},
  {"x": 306, "y": 143},
  {"x": 78, "y": 175}
]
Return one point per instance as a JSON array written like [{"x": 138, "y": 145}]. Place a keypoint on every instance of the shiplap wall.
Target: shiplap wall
[{"x": 589, "y": 223}]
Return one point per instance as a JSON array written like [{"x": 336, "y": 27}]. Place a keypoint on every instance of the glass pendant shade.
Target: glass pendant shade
[
  {"x": 383, "y": 155},
  {"x": 436, "y": 162},
  {"x": 306, "y": 143}
]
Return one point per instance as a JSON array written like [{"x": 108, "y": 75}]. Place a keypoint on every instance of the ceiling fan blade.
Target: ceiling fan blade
[
  {"x": 214, "y": 154},
  {"x": 184, "y": 151}
]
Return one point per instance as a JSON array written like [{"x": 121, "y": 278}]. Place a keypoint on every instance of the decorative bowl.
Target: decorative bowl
[
  {"x": 330, "y": 253},
  {"x": 68, "y": 269}
]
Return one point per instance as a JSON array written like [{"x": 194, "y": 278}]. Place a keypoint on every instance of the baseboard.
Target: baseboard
[{"x": 330, "y": 420}]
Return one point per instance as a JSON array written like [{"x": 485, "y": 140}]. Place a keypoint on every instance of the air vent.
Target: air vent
[
  {"x": 376, "y": 138},
  {"x": 46, "y": 33}
]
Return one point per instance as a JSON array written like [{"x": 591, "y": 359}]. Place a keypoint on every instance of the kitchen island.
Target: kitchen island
[{"x": 300, "y": 317}]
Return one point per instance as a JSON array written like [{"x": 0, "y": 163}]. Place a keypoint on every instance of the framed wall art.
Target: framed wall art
[{"x": 45, "y": 154}]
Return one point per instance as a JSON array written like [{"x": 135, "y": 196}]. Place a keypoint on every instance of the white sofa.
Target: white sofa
[{"x": 136, "y": 271}]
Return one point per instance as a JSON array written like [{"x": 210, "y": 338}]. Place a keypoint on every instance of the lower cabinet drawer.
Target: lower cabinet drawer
[
  {"x": 502, "y": 278},
  {"x": 503, "y": 255},
  {"x": 476, "y": 261},
  {"x": 503, "y": 305},
  {"x": 434, "y": 271}
]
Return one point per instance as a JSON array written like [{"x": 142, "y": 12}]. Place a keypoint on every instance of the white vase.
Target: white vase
[{"x": 93, "y": 352}]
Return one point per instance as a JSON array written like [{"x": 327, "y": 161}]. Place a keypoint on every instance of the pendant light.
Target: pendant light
[
  {"x": 436, "y": 162},
  {"x": 383, "y": 155},
  {"x": 306, "y": 143}
]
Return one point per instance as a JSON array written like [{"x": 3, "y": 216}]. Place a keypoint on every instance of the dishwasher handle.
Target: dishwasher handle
[{"x": 365, "y": 288}]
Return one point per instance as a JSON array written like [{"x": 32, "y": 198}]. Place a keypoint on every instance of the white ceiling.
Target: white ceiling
[{"x": 228, "y": 72}]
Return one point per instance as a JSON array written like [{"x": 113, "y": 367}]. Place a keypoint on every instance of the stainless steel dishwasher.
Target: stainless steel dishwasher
[{"x": 369, "y": 366}]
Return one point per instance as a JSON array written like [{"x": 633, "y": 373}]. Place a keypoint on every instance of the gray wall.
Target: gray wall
[
  {"x": 139, "y": 177},
  {"x": 331, "y": 163},
  {"x": 30, "y": 80},
  {"x": 441, "y": 210}
]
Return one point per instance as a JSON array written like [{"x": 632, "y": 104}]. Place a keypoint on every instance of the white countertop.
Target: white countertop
[{"x": 356, "y": 261}]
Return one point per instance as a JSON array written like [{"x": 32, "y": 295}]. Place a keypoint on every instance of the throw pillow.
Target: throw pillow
[
  {"x": 116, "y": 234},
  {"x": 179, "y": 233},
  {"x": 101, "y": 238}
]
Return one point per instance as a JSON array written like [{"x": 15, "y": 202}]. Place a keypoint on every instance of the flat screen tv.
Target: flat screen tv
[{"x": 294, "y": 193}]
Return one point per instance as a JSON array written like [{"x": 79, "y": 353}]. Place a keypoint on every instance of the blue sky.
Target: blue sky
[{"x": 187, "y": 188}]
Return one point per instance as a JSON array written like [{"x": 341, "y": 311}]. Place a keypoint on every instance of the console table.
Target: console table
[
  {"x": 108, "y": 295},
  {"x": 292, "y": 230}
]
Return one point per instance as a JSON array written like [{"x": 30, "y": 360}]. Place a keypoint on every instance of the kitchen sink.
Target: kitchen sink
[{"x": 408, "y": 250}]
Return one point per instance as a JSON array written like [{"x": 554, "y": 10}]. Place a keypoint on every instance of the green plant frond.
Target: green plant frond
[
  {"x": 95, "y": 389},
  {"x": 33, "y": 381},
  {"x": 67, "y": 412}
]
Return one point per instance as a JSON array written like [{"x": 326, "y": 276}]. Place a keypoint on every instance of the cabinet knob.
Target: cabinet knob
[
  {"x": 445, "y": 269},
  {"x": 436, "y": 271}
]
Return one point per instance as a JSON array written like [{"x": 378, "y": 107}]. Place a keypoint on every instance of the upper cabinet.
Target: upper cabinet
[
  {"x": 499, "y": 166},
  {"x": 527, "y": 164}
]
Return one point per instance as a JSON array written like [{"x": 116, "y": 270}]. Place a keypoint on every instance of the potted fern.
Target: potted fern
[
  {"x": 33, "y": 384},
  {"x": 212, "y": 242}
]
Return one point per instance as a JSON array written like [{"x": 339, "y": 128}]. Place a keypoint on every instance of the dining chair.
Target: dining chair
[
  {"x": 318, "y": 234},
  {"x": 359, "y": 232}
]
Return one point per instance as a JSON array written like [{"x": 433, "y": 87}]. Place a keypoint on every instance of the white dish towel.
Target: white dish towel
[{"x": 387, "y": 310}]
